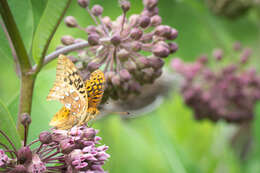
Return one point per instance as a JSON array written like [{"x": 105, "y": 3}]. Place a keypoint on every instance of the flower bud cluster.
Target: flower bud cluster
[
  {"x": 228, "y": 92},
  {"x": 130, "y": 51},
  {"x": 76, "y": 150}
]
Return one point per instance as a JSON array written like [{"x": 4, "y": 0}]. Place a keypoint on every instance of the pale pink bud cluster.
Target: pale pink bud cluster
[{"x": 130, "y": 51}]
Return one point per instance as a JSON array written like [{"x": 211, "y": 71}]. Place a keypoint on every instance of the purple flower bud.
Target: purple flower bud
[
  {"x": 147, "y": 38},
  {"x": 203, "y": 59},
  {"x": 26, "y": 119},
  {"x": 156, "y": 20},
  {"x": 107, "y": 21},
  {"x": 92, "y": 66},
  {"x": 45, "y": 137},
  {"x": 144, "y": 21},
  {"x": 124, "y": 75},
  {"x": 150, "y": 4},
  {"x": 136, "y": 33},
  {"x": 116, "y": 80},
  {"x": 142, "y": 62},
  {"x": 97, "y": 10},
  {"x": 173, "y": 35},
  {"x": 218, "y": 54},
  {"x": 173, "y": 47},
  {"x": 125, "y": 5},
  {"x": 115, "y": 39},
  {"x": 67, "y": 40},
  {"x": 177, "y": 64},
  {"x": 83, "y": 3},
  {"x": 89, "y": 133},
  {"x": 156, "y": 62},
  {"x": 161, "y": 50},
  {"x": 164, "y": 31},
  {"x": 67, "y": 146},
  {"x": 91, "y": 30},
  {"x": 109, "y": 75},
  {"x": 133, "y": 20},
  {"x": 136, "y": 46},
  {"x": 70, "y": 21},
  {"x": 123, "y": 55},
  {"x": 24, "y": 155},
  {"x": 245, "y": 55},
  {"x": 130, "y": 66},
  {"x": 93, "y": 39}
]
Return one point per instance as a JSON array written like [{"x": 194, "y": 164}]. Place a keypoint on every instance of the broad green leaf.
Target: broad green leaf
[
  {"x": 7, "y": 125},
  {"x": 49, "y": 22}
]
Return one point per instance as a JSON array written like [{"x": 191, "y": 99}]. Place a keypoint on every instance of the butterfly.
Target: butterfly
[{"x": 80, "y": 99}]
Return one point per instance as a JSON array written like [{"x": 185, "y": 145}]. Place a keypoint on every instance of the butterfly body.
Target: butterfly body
[{"x": 80, "y": 99}]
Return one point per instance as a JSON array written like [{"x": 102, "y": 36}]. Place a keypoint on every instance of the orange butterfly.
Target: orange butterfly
[{"x": 80, "y": 99}]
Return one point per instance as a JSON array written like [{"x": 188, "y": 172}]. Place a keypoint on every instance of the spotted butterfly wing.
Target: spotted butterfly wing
[
  {"x": 69, "y": 87},
  {"x": 63, "y": 119}
]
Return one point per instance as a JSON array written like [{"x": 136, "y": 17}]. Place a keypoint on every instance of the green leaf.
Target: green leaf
[
  {"x": 48, "y": 24},
  {"x": 7, "y": 125}
]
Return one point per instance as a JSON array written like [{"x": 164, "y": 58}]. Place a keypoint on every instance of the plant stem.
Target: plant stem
[{"x": 27, "y": 80}]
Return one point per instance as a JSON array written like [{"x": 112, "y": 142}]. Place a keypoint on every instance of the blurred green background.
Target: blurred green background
[{"x": 167, "y": 139}]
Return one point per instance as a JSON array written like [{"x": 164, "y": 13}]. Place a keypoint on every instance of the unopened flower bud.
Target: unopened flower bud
[
  {"x": 70, "y": 21},
  {"x": 161, "y": 50},
  {"x": 116, "y": 39},
  {"x": 163, "y": 31},
  {"x": 93, "y": 39},
  {"x": 144, "y": 21},
  {"x": 91, "y": 30},
  {"x": 147, "y": 37},
  {"x": 136, "y": 33},
  {"x": 90, "y": 133},
  {"x": 173, "y": 47},
  {"x": 218, "y": 54},
  {"x": 67, "y": 40},
  {"x": 142, "y": 62},
  {"x": 133, "y": 20},
  {"x": 124, "y": 75},
  {"x": 245, "y": 55},
  {"x": 97, "y": 10},
  {"x": 136, "y": 46},
  {"x": 45, "y": 137},
  {"x": 125, "y": 5},
  {"x": 24, "y": 155},
  {"x": 115, "y": 80},
  {"x": 150, "y": 4},
  {"x": 26, "y": 119},
  {"x": 173, "y": 35},
  {"x": 123, "y": 55},
  {"x": 107, "y": 21},
  {"x": 156, "y": 62},
  {"x": 66, "y": 147},
  {"x": 83, "y": 3},
  {"x": 156, "y": 20},
  {"x": 130, "y": 66},
  {"x": 92, "y": 66},
  {"x": 157, "y": 73},
  {"x": 19, "y": 169},
  {"x": 109, "y": 75}
]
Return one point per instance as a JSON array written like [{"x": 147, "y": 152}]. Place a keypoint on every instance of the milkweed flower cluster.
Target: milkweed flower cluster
[
  {"x": 228, "y": 92},
  {"x": 76, "y": 150},
  {"x": 130, "y": 51}
]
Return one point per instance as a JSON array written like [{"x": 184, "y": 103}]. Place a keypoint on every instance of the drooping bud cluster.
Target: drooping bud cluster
[
  {"x": 76, "y": 150},
  {"x": 228, "y": 92},
  {"x": 130, "y": 51}
]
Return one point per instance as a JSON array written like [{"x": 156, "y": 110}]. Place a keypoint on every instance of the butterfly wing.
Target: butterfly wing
[
  {"x": 69, "y": 87},
  {"x": 63, "y": 119},
  {"x": 95, "y": 88}
]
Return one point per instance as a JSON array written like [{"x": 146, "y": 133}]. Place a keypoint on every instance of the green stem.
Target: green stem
[{"x": 27, "y": 81}]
